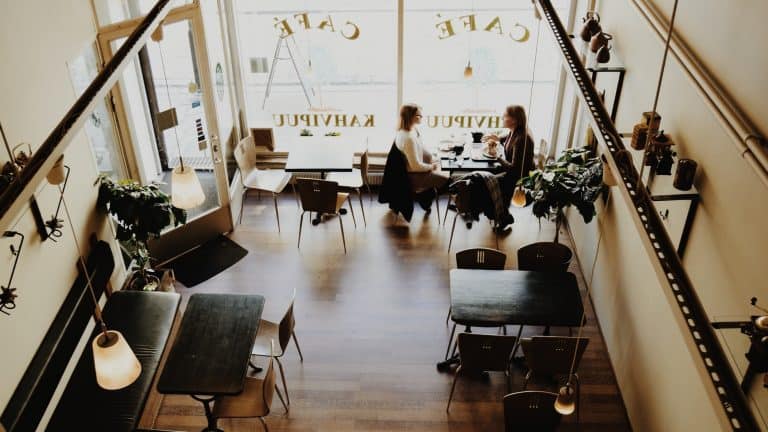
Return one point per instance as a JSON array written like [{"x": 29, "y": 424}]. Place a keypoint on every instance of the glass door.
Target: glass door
[{"x": 167, "y": 114}]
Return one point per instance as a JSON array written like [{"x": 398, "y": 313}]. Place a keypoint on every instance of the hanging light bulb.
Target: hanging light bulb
[
  {"x": 115, "y": 363},
  {"x": 186, "y": 192},
  {"x": 518, "y": 198},
  {"x": 565, "y": 403},
  {"x": 468, "y": 70}
]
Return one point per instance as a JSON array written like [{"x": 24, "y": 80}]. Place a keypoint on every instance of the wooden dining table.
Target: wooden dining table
[
  {"x": 495, "y": 298},
  {"x": 210, "y": 355}
]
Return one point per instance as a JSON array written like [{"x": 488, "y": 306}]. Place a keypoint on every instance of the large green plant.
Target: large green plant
[
  {"x": 140, "y": 212},
  {"x": 575, "y": 179}
]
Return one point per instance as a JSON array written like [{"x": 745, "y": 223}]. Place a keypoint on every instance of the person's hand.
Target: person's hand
[
  {"x": 491, "y": 138},
  {"x": 505, "y": 163},
  {"x": 435, "y": 166}
]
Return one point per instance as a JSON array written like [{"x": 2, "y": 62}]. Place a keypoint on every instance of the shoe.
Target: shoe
[{"x": 452, "y": 207}]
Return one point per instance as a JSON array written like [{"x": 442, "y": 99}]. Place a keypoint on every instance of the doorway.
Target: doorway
[{"x": 164, "y": 106}]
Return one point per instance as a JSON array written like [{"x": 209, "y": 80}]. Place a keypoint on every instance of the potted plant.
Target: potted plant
[
  {"x": 575, "y": 179},
  {"x": 140, "y": 213},
  {"x": 305, "y": 132}
]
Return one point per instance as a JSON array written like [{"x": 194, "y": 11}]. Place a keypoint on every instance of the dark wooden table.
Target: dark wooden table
[
  {"x": 210, "y": 355},
  {"x": 321, "y": 156},
  {"x": 473, "y": 161},
  {"x": 493, "y": 298}
]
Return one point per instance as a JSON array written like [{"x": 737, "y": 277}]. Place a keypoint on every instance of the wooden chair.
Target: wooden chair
[
  {"x": 461, "y": 200},
  {"x": 544, "y": 256},
  {"x": 354, "y": 181},
  {"x": 252, "y": 178},
  {"x": 531, "y": 411},
  {"x": 321, "y": 196},
  {"x": 479, "y": 259},
  {"x": 254, "y": 401},
  {"x": 283, "y": 332},
  {"x": 483, "y": 353},
  {"x": 552, "y": 357}
]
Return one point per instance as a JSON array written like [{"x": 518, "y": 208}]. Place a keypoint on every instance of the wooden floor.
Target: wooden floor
[{"x": 371, "y": 325}]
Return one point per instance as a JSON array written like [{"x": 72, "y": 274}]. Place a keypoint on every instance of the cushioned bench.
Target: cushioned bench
[{"x": 145, "y": 319}]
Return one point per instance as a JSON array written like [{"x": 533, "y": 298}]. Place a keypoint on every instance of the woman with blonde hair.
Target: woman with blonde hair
[
  {"x": 518, "y": 149},
  {"x": 424, "y": 173}
]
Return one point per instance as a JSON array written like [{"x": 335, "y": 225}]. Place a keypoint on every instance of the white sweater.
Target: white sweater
[{"x": 409, "y": 142}]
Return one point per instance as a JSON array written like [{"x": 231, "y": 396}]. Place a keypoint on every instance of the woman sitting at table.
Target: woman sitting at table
[
  {"x": 518, "y": 150},
  {"x": 424, "y": 173}
]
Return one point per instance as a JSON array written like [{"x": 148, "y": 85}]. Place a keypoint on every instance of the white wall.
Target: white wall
[
  {"x": 728, "y": 246},
  {"x": 37, "y": 38}
]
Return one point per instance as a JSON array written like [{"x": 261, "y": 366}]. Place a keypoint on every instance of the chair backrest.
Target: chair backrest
[
  {"x": 317, "y": 195},
  {"x": 481, "y": 258},
  {"x": 364, "y": 166},
  {"x": 530, "y": 411},
  {"x": 287, "y": 324},
  {"x": 245, "y": 155},
  {"x": 544, "y": 256},
  {"x": 482, "y": 352},
  {"x": 463, "y": 199},
  {"x": 263, "y": 137},
  {"x": 553, "y": 355}
]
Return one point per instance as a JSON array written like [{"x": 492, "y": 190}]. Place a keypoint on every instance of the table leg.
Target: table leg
[{"x": 208, "y": 413}]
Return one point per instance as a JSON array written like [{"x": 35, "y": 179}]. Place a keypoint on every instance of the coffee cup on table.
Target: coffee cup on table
[{"x": 492, "y": 148}]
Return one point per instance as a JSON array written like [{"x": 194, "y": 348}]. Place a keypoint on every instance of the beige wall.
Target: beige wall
[
  {"x": 38, "y": 38},
  {"x": 726, "y": 253}
]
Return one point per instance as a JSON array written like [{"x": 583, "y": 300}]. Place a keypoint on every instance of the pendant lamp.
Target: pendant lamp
[
  {"x": 565, "y": 403},
  {"x": 57, "y": 174},
  {"x": 519, "y": 198},
  {"x": 186, "y": 191},
  {"x": 115, "y": 363},
  {"x": 468, "y": 70}
]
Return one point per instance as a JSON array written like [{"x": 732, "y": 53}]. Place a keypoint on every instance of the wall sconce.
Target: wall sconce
[
  {"x": 7, "y": 296},
  {"x": 51, "y": 229}
]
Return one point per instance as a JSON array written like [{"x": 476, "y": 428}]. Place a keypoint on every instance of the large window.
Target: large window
[
  {"x": 334, "y": 67},
  {"x": 321, "y": 67}
]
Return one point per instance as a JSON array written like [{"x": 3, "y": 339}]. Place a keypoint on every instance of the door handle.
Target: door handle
[{"x": 215, "y": 148}]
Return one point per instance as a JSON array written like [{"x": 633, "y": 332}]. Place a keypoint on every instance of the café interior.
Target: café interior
[{"x": 453, "y": 215}]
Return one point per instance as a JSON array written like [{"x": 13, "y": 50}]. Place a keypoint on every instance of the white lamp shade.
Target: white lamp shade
[
  {"x": 115, "y": 363},
  {"x": 56, "y": 175},
  {"x": 565, "y": 403},
  {"x": 186, "y": 192}
]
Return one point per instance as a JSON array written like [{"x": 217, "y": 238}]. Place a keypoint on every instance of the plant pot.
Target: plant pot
[
  {"x": 551, "y": 256},
  {"x": 148, "y": 281}
]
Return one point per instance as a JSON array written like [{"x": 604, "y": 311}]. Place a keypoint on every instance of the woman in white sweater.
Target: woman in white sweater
[{"x": 425, "y": 173}]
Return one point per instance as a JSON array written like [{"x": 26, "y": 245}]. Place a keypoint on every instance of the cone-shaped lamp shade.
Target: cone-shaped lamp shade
[
  {"x": 468, "y": 71},
  {"x": 565, "y": 403},
  {"x": 186, "y": 192},
  {"x": 116, "y": 364},
  {"x": 56, "y": 175},
  {"x": 518, "y": 198}
]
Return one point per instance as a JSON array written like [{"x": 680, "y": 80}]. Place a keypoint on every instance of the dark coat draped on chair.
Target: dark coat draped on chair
[{"x": 396, "y": 185}]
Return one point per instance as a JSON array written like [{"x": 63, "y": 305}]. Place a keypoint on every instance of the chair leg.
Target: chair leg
[
  {"x": 453, "y": 228},
  {"x": 437, "y": 205},
  {"x": 343, "y": 239},
  {"x": 242, "y": 206},
  {"x": 527, "y": 378},
  {"x": 448, "y": 317},
  {"x": 517, "y": 342},
  {"x": 296, "y": 195},
  {"x": 277, "y": 213},
  {"x": 362, "y": 209},
  {"x": 448, "y": 204},
  {"x": 263, "y": 423},
  {"x": 450, "y": 341},
  {"x": 351, "y": 210},
  {"x": 296, "y": 341},
  {"x": 370, "y": 194},
  {"x": 280, "y": 395},
  {"x": 453, "y": 387},
  {"x": 285, "y": 384},
  {"x": 301, "y": 222}
]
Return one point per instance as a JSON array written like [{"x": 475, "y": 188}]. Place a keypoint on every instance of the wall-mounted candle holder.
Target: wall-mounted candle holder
[
  {"x": 7, "y": 292},
  {"x": 51, "y": 229}
]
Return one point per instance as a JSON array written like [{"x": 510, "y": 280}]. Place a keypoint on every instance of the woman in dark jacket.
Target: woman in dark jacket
[{"x": 518, "y": 150}]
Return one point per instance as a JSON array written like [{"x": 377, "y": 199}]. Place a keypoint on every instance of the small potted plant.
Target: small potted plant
[
  {"x": 140, "y": 214},
  {"x": 333, "y": 134},
  {"x": 305, "y": 132},
  {"x": 575, "y": 179}
]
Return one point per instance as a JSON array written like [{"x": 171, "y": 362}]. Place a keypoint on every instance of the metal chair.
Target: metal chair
[
  {"x": 483, "y": 353},
  {"x": 553, "y": 357},
  {"x": 254, "y": 401},
  {"x": 283, "y": 332},
  {"x": 530, "y": 411},
  {"x": 321, "y": 196},
  {"x": 252, "y": 178},
  {"x": 354, "y": 181},
  {"x": 461, "y": 200}
]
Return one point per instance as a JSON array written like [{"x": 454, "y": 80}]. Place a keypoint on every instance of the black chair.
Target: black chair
[
  {"x": 529, "y": 411},
  {"x": 544, "y": 256},
  {"x": 483, "y": 353},
  {"x": 552, "y": 357}
]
